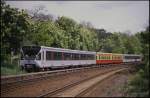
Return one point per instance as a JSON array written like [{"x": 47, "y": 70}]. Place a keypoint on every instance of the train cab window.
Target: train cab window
[
  {"x": 38, "y": 57},
  {"x": 48, "y": 55},
  {"x": 22, "y": 56},
  {"x": 57, "y": 56}
]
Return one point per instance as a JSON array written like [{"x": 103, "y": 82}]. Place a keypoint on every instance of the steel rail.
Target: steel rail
[{"x": 51, "y": 93}]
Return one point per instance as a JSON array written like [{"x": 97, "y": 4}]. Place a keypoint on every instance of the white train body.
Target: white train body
[
  {"x": 48, "y": 57},
  {"x": 127, "y": 58},
  {"x": 41, "y": 57}
]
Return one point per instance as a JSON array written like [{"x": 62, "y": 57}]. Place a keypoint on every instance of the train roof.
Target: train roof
[
  {"x": 67, "y": 50},
  {"x": 109, "y": 53},
  {"x": 132, "y": 54}
]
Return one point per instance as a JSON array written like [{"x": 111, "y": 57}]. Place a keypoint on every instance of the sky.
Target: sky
[{"x": 113, "y": 16}]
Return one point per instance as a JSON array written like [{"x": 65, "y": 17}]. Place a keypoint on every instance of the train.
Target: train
[{"x": 37, "y": 58}]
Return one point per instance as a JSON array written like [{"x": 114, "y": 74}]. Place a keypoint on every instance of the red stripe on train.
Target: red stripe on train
[{"x": 108, "y": 61}]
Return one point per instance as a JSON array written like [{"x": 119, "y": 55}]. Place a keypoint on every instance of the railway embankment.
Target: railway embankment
[{"x": 40, "y": 87}]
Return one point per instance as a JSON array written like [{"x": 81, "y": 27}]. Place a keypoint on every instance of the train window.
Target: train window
[
  {"x": 81, "y": 57},
  {"x": 84, "y": 56},
  {"x": 67, "y": 56},
  {"x": 91, "y": 57},
  {"x": 48, "y": 55},
  {"x": 38, "y": 57},
  {"x": 130, "y": 57},
  {"x": 107, "y": 58},
  {"x": 73, "y": 56},
  {"x": 104, "y": 57},
  {"x": 22, "y": 56},
  {"x": 113, "y": 57},
  {"x": 76, "y": 56},
  {"x": 57, "y": 56},
  {"x": 116, "y": 57},
  {"x": 99, "y": 57},
  {"x": 88, "y": 56}
]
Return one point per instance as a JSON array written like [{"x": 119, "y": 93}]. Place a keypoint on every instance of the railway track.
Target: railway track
[
  {"x": 80, "y": 87},
  {"x": 12, "y": 79},
  {"x": 33, "y": 76},
  {"x": 25, "y": 82}
]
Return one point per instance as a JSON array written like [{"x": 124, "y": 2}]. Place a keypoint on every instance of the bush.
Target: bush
[{"x": 138, "y": 86}]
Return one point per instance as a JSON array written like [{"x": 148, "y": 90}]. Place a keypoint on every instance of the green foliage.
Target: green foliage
[
  {"x": 19, "y": 28},
  {"x": 122, "y": 43},
  {"x": 11, "y": 71},
  {"x": 139, "y": 85},
  {"x": 13, "y": 27}
]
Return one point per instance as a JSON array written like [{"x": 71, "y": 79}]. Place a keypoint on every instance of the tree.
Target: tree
[{"x": 14, "y": 27}]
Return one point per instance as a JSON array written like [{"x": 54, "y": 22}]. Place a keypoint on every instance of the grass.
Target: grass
[{"x": 11, "y": 71}]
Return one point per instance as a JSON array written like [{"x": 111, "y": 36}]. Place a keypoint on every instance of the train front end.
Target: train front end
[{"x": 30, "y": 58}]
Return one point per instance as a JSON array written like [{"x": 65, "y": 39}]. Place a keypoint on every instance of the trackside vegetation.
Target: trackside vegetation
[{"x": 23, "y": 27}]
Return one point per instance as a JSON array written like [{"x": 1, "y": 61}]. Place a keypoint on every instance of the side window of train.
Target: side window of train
[
  {"x": 76, "y": 56},
  {"x": 67, "y": 56},
  {"x": 100, "y": 57},
  {"x": 82, "y": 56},
  {"x": 72, "y": 56},
  {"x": 57, "y": 55},
  {"x": 87, "y": 56},
  {"x": 48, "y": 55}
]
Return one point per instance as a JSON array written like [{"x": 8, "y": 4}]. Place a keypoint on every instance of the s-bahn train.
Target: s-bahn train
[{"x": 35, "y": 58}]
